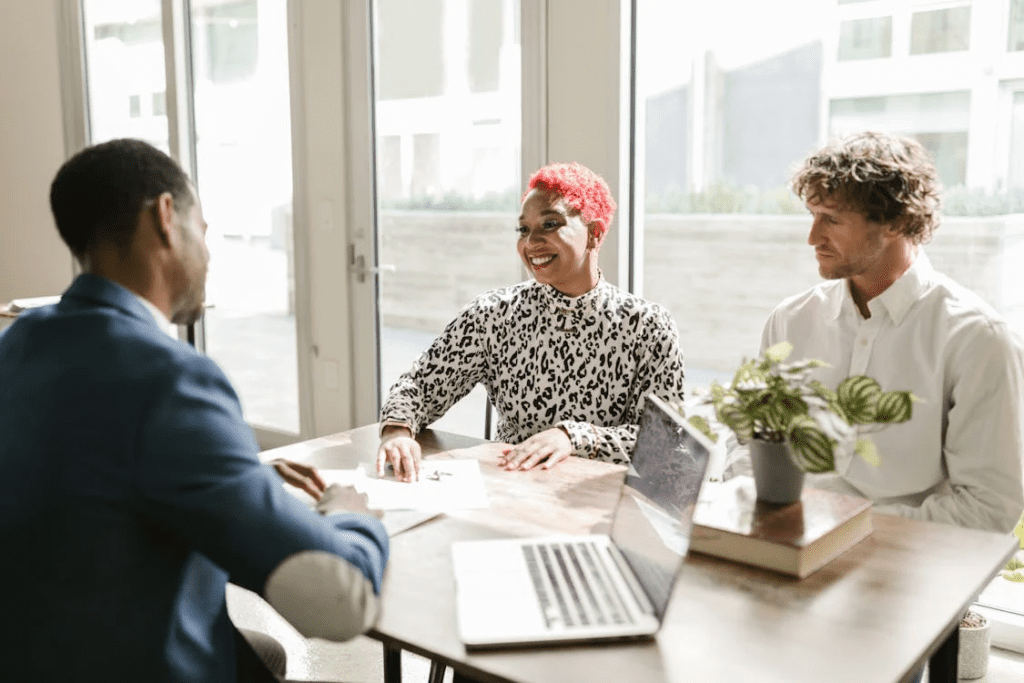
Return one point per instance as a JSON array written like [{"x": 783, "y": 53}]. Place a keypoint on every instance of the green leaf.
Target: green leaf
[
  {"x": 704, "y": 427},
  {"x": 858, "y": 396},
  {"x": 780, "y": 410},
  {"x": 811, "y": 448},
  {"x": 894, "y": 406},
  {"x": 1013, "y": 565},
  {"x": 778, "y": 352},
  {"x": 823, "y": 391},
  {"x": 738, "y": 421},
  {"x": 1018, "y": 531},
  {"x": 867, "y": 450},
  {"x": 837, "y": 408},
  {"x": 1016, "y": 577}
]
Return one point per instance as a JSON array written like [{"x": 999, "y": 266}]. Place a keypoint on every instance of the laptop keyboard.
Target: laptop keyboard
[{"x": 574, "y": 586}]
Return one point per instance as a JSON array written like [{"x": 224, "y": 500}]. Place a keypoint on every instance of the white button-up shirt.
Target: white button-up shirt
[{"x": 958, "y": 460}]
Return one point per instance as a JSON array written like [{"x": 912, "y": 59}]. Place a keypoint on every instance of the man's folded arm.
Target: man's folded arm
[
  {"x": 984, "y": 440},
  {"x": 323, "y": 596},
  {"x": 198, "y": 476}
]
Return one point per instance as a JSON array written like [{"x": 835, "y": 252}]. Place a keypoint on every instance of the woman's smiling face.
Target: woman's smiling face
[{"x": 556, "y": 245}]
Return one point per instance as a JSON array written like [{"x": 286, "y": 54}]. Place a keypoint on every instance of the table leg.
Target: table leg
[
  {"x": 437, "y": 670},
  {"x": 392, "y": 664},
  {"x": 943, "y": 666}
]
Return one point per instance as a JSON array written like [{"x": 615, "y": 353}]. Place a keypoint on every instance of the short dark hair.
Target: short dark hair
[
  {"x": 98, "y": 193},
  {"x": 886, "y": 178}
]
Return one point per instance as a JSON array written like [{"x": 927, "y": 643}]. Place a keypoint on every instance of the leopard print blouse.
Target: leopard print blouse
[{"x": 547, "y": 360}]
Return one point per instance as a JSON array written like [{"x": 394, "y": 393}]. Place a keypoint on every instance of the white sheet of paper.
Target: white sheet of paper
[
  {"x": 343, "y": 477},
  {"x": 444, "y": 485}
]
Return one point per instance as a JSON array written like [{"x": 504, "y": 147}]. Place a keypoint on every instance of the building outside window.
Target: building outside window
[
  {"x": 941, "y": 30},
  {"x": 865, "y": 38}
]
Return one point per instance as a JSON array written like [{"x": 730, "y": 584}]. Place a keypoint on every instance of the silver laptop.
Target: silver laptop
[{"x": 570, "y": 589}]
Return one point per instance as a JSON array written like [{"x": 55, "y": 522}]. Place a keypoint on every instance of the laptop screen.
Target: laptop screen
[{"x": 654, "y": 515}]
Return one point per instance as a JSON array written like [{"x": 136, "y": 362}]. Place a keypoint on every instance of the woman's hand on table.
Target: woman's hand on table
[
  {"x": 398, "y": 448},
  {"x": 301, "y": 476},
  {"x": 547, "y": 449}
]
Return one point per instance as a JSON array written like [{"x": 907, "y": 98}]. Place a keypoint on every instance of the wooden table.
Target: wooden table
[{"x": 877, "y": 613}]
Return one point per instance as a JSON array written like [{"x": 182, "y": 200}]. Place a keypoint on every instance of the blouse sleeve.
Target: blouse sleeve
[
  {"x": 442, "y": 375},
  {"x": 659, "y": 371}
]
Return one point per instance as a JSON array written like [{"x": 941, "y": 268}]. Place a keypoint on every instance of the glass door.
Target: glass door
[
  {"x": 236, "y": 126},
  {"x": 448, "y": 132},
  {"x": 124, "y": 56},
  {"x": 239, "y": 54}
]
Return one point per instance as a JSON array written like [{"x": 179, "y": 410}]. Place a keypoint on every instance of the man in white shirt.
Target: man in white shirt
[{"x": 886, "y": 313}]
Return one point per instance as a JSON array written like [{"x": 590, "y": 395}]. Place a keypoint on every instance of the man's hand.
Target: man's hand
[
  {"x": 301, "y": 476},
  {"x": 547, "y": 449},
  {"x": 339, "y": 498},
  {"x": 401, "y": 450}
]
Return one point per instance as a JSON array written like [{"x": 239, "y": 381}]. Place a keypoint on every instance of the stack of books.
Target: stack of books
[{"x": 795, "y": 539}]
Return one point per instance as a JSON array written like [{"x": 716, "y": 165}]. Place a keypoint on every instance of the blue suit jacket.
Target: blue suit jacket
[{"x": 131, "y": 493}]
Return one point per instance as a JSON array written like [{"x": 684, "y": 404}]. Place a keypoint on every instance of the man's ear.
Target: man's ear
[
  {"x": 895, "y": 228},
  {"x": 595, "y": 235},
  {"x": 163, "y": 217}
]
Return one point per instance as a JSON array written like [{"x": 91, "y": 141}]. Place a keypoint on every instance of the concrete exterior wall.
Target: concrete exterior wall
[
  {"x": 720, "y": 275},
  {"x": 442, "y": 260}
]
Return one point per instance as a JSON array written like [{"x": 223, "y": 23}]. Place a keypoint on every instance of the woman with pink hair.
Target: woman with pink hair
[{"x": 566, "y": 357}]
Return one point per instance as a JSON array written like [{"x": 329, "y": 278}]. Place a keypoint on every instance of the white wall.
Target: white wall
[{"x": 33, "y": 260}]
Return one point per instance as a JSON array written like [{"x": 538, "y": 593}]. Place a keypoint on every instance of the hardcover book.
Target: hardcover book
[{"x": 795, "y": 539}]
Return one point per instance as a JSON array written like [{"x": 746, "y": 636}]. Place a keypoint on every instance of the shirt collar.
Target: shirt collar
[
  {"x": 901, "y": 295},
  {"x": 897, "y": 299},
  {"x": 560, "y": 300},
  {"x": 158, "y": 316}
]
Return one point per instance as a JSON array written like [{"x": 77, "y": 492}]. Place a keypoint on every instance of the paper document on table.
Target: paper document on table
[
  {"x": 443, "y": 485},
  {"x": 19, "y": 305},
  {"x": 343, "y": 477}
]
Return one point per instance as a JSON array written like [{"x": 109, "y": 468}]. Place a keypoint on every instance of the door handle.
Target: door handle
[{"x": 358, "y": 268}]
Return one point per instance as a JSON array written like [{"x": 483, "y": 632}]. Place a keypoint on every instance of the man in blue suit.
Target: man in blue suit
[{"x": 132, "y": 490}]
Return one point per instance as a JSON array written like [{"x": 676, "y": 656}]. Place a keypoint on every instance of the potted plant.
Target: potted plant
[{"x": 795, "y": 424}]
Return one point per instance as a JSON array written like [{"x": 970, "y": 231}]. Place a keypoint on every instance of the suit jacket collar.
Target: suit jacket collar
[{"x": 96, "y": 290}]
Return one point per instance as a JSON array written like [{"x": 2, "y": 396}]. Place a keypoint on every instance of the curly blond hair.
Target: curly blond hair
[{"x": 888, "y": 179}]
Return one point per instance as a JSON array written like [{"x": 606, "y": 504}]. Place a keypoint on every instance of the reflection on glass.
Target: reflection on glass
[
  {"x": 1015, "y": 32},
  {"x": 448, "y": 127},
  {"x": 124, "y": 56},
  {"x": 243, "y": 155},
  {"x": 865, "y": 38},
  {"x": 939, "y": 121},
  {"x": 654, "y": 515},
  {"x": 941, "y": 30}
]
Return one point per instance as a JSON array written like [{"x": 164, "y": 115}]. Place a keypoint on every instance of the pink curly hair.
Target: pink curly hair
[{"x": 581, "y": 188}]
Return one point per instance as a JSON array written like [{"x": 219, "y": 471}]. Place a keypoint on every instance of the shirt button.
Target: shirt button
[{"x": 863, "y": 342}]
